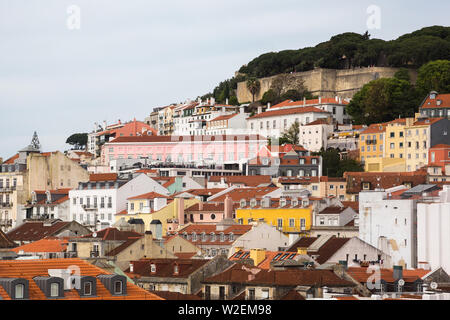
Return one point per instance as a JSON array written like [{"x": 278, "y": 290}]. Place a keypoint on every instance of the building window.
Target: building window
[
  {"x": 87, "y": 288},
  {"x": 54, "y": 289},
  {"x": 291, "y": 223},
  {"x": 118, "y": 287},
  {"x": 20, "y": 291}
]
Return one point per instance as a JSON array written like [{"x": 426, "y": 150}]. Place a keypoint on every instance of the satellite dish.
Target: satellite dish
[
  {"x": 401, "y": 282},
  {"x": 94, "y": 234},
  {"x": 433, "y": 285}
]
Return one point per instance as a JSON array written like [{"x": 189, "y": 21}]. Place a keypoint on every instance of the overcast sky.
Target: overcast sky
[{"x": 132, "y": 55}]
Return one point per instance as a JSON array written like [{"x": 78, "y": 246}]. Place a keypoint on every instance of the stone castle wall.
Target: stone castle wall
[{"x": 327, "y": 83}]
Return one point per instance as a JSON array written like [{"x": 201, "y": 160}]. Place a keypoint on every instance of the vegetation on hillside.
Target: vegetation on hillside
[{"x": 386, "y": 99}]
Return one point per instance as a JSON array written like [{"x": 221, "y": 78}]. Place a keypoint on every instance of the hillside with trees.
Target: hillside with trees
[{"x": 344, "y": 51}]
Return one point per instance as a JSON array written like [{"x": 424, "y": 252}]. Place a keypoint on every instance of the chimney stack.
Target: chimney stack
[
  {"x": 200, "y": 205},
  {"x": 259, "y": 110},
  {"x": 228, "y": 207},
  {"x": 181, "y": 211}
]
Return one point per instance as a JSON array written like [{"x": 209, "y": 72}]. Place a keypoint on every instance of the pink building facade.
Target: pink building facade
[{"x": 218, "y": 149}]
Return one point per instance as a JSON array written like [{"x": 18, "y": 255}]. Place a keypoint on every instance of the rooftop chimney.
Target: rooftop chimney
[
  {"x": 259, "y": 110},
  {"x": 180, "y": 211},
  {"x": 200, "y": 205},
  {"x": 228, "y": 207}
]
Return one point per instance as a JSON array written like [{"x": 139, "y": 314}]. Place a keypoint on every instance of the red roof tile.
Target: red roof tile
[
  {"x": 44, "y": 245},
  {"x": 283, "y": 112},
  {"x": 28, "y": 269}
]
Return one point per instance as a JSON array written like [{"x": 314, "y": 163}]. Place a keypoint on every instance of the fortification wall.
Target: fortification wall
[{"x": 328, "y": 83}]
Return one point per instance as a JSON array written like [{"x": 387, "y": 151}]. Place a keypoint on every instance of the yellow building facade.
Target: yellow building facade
[
  {"x": 287, "y": 220},
  {"x": 165, "y": 214},
  {"x": 372, "y": 144}
]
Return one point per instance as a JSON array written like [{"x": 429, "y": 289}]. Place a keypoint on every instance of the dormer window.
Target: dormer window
[
  {"x": 194, "y": 236},
  {"x": 118, "y": 287},
  {"x": 213, "y": 236},
  {"x": 116, "y": 284},
  {"x": 153, "y": 268},
  {"x": 176, "y": 269},
  {"x": 253, "y": 203},
  {"x": 222, "y": 237},
  {"x": 16, "y": 288},
  {"x": 231, "y": 236},
  {"x": 243, "y": 203}
]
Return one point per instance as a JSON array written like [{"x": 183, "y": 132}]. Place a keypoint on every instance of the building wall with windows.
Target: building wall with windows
[
  {"x": 372, "y": 143},
  {"x": 284, "y": 219}
]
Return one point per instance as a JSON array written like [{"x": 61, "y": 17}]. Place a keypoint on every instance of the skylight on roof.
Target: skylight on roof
[{"x": 277, "y": 256}]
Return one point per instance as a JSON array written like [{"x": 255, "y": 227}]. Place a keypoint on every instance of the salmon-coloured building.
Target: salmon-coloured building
[{"x": 217, "y": 149}]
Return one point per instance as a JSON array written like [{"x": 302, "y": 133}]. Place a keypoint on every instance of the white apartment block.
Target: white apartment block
[
  {"x": 273, "y": 123},
  {"x": 229, "y": 124},
  {"x": 314, "y": 136},
  {"x": 433, "y": 231},
  {"x": 389, "y": 224},
  {"x": 95, "y": 203}
]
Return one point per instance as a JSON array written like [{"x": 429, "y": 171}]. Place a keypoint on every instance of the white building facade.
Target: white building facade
[
  {"x": 389, "y": 225},
  {"x": 433, "y": 231},
  {"x": 94, "y": 204}
]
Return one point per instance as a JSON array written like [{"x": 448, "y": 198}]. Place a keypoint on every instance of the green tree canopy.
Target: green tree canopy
[
  {"x": 383, "y": 100},
  {"x": 78, "y": 140},
  {"x": 333, "y": 166},
  {"x": 434, "y": 76}
]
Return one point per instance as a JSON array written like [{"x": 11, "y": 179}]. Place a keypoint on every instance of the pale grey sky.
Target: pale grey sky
[{"x": 132, "y": 55}]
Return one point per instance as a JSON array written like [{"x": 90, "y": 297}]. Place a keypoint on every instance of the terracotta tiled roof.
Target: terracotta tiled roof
[
  {"x": 333, "y": 210},
  {"x": 165, "y": 267},
  {"x": 203, "y": 192},
  {"x": 44, "y": 245},
  {"x": 109, "y": 234},
  {"x": 12, "y": 159},
  {"x": 361, "y": 274},
  {"x": 445, "y": 102},
  {"x": 318, "y": 122},
  {"x": 293, "y": 295},
  {"x": 225, "y": 117},
  {"x": 250, "y": 181},
  {"x": 28, "y": 269},
  {"x": 303, "y": 242},
  {"x": 36, "y": 230},
  {"x": 427, "y": 122},
  {"x": 5, "y": 242},
  {"x": 441, "y": 146},
  {"x": 329, "y": 249},
  {"x": 352, "y": 204},
  {"x": 246, "y": 193},
  {"x": 97, "y": 177},
  {"x": 375, "y": 128},
  {"x": 290, "y": 278},
  {"x": 150, "y": 195},
  {"x": 311, "y": 102},
  {"x": 284, "y": 112},
  {"x": 298, "y": 180},
  {"x": 237, "y": 229},
  {"x": 178, "y": 139},
  {"x": 384, "y": 180},
  {"x": 207, "y": 206},
  {"x": 185, "y": 255}
]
